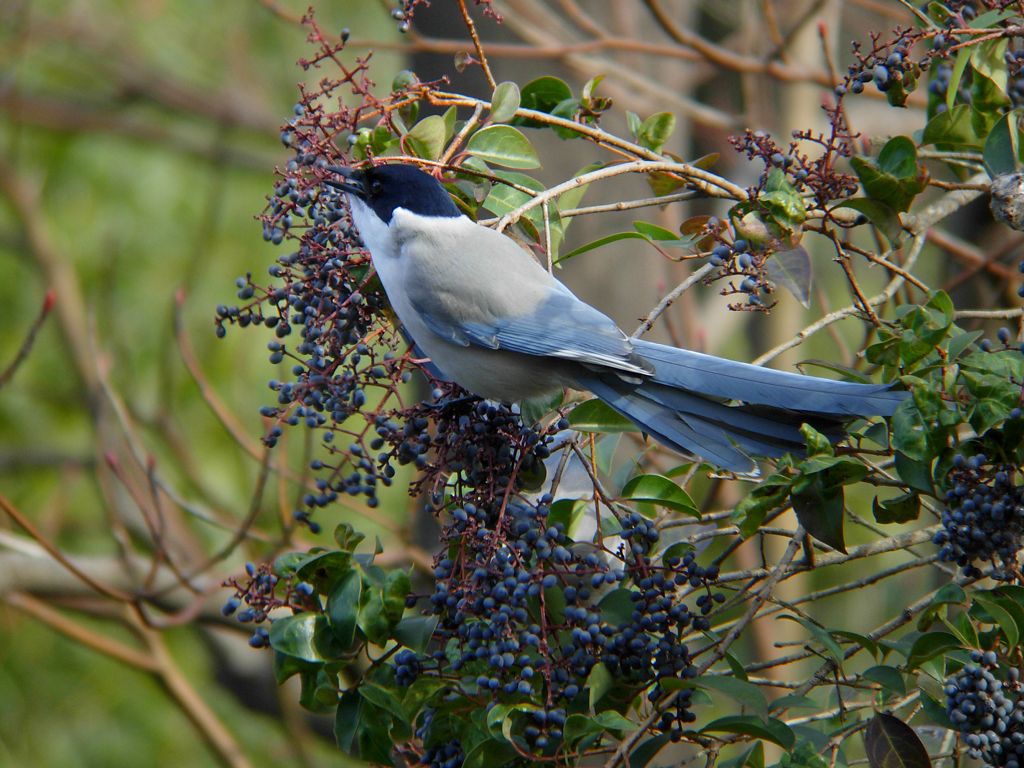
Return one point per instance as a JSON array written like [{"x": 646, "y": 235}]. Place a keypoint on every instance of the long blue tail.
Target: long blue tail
[{"x": 684, "y": 405}]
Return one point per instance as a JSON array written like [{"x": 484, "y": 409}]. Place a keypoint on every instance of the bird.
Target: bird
[{"x": 496, "y": 322}]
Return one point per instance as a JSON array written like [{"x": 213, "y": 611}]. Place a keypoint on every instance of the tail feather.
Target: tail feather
[
  {"x": 716, "y": 377},
  {"x": 663, "y": 425}
]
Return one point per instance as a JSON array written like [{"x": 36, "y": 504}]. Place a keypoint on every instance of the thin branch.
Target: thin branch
[
  {"x": 482, "y": 58},
  {"x": 26, "y": 346}
]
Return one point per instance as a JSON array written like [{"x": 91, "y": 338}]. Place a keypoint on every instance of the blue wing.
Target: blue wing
[{"x": 559, "y": 326}]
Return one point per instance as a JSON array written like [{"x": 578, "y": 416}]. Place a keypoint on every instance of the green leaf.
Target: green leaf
[
  {"x": 504, "y": 102},
  {"x": 419, "y": 693},
  {"x": 1002, "y": 151},
  {"x": 988, "y": 61},
  {"x": 372, "y": 618},
  {"x": 503, "y": 145},
  {"x": 286, "y": 666},
  {"x": 597, "y": 416},
  {"x": 745, "y": 694},
  {"x": 774, "y": 731},
  {"x": 414, "y": 632},
  {"x": 962, "y": 59},
  {"x": 568, "y": 512},
  {"x": 426, "y": 138},
  {"x": 793, "y": 702},
  {"x": 752, "y": 757},
  {"x": 604, "y": 241},
  {"x": 916, "y": 474},
  {"x": 954, "y": 128},
  {"x": 646, "y": 752},
  {"x": 323, "y": 569},
  {"x": 654, "y": 232},
  {"x": 936, "y": 711},
  {"x": 617, "y": 606},
  {"x": 865, "y": 642},
  {"x": 891, "y": 743},
  {"x": 930, "y": 645},
  {"x": 792, "y": 270},
  {"x": 751, "y": 511},
  {"x": 375, "y": 742},
  {"x": 347, "y": 719},
  {"x": 396, "y": 587},
  {"x": 599, "y": 681},
  {"x": 657, "y": 489},
  {"x": 347, "y": 538},
  {"x": 1000, "y": 616},
  {"x": 305, "y": 636},
  {"x": 885, "y": 219},
  {"x": 820, "y": 512},
  {"x": 962, "y": 627},
  {"x": 611, "y": 720},
  {"x": 901, "y": 509},
  {"x": 343, "y": 607},
  {"x": 490, "y": 753},
  {"x": 656, "y": 130},
  {"x": 578, "y": 727},
  {"x": 894, "y": 177},
  {"x": 887, "y": 677},
  {"x": 382, "y": 698},
  {"x": 542, "y": 95}
]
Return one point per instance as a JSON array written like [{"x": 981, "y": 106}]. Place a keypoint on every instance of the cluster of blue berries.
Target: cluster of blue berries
[
  {"x": 884, "y": 72},
  {"x": 984, "y": 519},
  {"x": 488, "y": 445},
  {"x": 443, "y": 752},
  {"x": 988, "y": 711},
  {"x": 522, "y": 619},
  {"x": 259, "y": 595},
  {"x": 740, "y": 261}
]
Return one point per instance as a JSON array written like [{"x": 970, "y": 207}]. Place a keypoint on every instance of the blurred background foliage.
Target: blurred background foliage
[{"x": 137, "y": 142}]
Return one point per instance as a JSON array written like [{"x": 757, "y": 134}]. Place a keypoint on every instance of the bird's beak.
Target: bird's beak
[{"x": 352, "y": 180}]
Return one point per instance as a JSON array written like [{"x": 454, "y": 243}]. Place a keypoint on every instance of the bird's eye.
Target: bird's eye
[{"x": 375, "y": 188}]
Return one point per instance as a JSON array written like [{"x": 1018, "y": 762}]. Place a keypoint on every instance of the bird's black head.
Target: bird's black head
[{"x": 387, "y": 187}]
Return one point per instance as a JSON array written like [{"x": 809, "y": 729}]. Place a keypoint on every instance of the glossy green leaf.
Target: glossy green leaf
[
  {"x": 891, "y": 743},
  {"x": 954, "y": 128},
  {"x": 774, "y": 730},
  {"x": 962, "y": 59},
  {"x": 597, "y": 416},
  {"x": 887, "y": 677},
  {"x": 503, "y": 145},
  {"x": 659, "y": 490},
  {"x": 542, "y": 95},
  {"x": 305, "y": 636},
  {"x": 898, "y": 510},
  {"x": 793, "y": 701},
  {"x": 414, "y": 632},
  {"x": 820, "y": 511},
  {"x": 570, "y": 513},
  {"x": 504, "y": 102},
  {"x": 1002, "y": 150},
  {"x": 611, "y": 720},
  {"x": 646, "y": 752},
  {"x": 656, "y": 130},
  {"x": 961, "y": 626},
  {"x": 883, "y": 217},
  {"x": 599, "y": 681},
  {"x": 604, "y": 241},
  {"x": 930, "y": 645},
  {"x": 426, "y": 138},
  {"x": 617, "y": 606},
  {"x": 396, "y": 587},
  {"x": 936, "y": 711},
  {"x": 1000, "y": 616},
  {"x": 346, "y": 720},
  {"x": 343, "y": 607}
]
